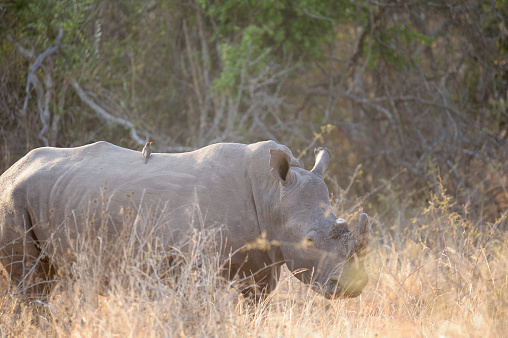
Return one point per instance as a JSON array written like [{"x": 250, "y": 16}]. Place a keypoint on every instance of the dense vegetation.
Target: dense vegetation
[
  {"x": 417, "y": 91},
  {"x": 410, "y": 96}
]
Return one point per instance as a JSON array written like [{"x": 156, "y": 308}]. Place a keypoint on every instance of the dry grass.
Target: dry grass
[{"x": 438, "y": 275}]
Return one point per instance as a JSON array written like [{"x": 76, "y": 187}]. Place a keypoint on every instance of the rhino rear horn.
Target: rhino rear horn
[
  {"x": 322, "y": 160},
  {"x": 362, "y": 230}
]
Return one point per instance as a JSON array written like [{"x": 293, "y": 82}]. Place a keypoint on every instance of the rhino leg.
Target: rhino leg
[
  {"x": 269, "y": 280},
  {"x": 20, "y": 254},
  {"x": 257, "y": 284}
]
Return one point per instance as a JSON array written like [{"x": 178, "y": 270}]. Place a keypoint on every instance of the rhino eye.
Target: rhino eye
[{"x": 307, "y": 243}]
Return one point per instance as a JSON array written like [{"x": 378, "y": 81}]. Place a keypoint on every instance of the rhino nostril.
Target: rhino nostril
[{"x": 334, "y": 286}]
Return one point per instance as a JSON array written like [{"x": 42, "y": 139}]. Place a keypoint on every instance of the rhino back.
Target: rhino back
[{"x": 207, "y": 187}]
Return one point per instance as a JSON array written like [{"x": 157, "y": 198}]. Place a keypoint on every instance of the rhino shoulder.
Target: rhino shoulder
[{"x": 97, "y": 147}]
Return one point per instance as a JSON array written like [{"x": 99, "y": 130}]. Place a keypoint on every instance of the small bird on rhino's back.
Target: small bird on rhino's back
[{"x": 147, "y": 151}]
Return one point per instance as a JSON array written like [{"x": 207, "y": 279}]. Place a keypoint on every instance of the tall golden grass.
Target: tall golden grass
[{"x": 438, "y": 274}]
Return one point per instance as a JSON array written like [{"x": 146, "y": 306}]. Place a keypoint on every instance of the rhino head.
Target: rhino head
[{"x": 318, "y": 247}]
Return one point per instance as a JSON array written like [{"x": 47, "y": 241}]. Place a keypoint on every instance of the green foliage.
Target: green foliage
[
  {"x": 300, "y": 26},
  {"x": 237, "y": 59},
  {"x": 498, "y": 113},
  {"x": 40, "y": 21},
  {"x": 393, "y": 44},
  {"x": 497, "y": 12},
  {"x": 254, "y": 33},
  {"x": 498, "y": 109}
]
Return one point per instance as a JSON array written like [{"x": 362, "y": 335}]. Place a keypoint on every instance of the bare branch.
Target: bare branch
[
  {"x": 28, "y": 53},
  {"x": 58, "y": 115},
  {"x": 37, "y": 63},
  {"x": 44, "y": 111},
  {"x": 317, "y": 16},
  {"x": 105, "y": 115},
  {"x": 33, "y": 81}
]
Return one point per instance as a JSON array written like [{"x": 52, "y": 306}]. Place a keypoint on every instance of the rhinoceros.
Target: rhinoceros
[{"x": 250, "y": 191}]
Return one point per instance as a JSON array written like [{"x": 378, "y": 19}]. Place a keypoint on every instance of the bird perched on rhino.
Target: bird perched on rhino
[{"x": 147, "y": 151}]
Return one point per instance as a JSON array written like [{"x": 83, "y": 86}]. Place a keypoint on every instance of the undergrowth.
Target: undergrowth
[{"x": 437, "y": 274}]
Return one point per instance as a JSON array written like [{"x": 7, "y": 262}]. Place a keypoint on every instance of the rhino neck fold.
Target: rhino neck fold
[{"x": 265, "y": 198}]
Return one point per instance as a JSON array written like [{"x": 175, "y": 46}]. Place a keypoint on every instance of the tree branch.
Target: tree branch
[
  {"x": 101, "y": 112},
  {"x": 32, "y": 80},
  {"x": 38, "y": 62}
]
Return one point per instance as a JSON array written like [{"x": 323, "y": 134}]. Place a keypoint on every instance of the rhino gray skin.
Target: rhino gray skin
[{"x": 250, "y": 191}]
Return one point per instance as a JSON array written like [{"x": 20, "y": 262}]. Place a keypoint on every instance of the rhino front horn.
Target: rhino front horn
[
  {"x": 322, "y": 160},
  {"x": 362, "y": 230}
]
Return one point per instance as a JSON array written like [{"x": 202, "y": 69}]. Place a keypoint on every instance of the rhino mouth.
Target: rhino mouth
[
  {"x": 349, "y": 283},
  {"x": 334, "y": 289}
]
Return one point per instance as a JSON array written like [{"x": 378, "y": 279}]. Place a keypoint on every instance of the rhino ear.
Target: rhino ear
[
  {"x": 280, "y": 164},
  {"x": 322, "y": 160}
]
